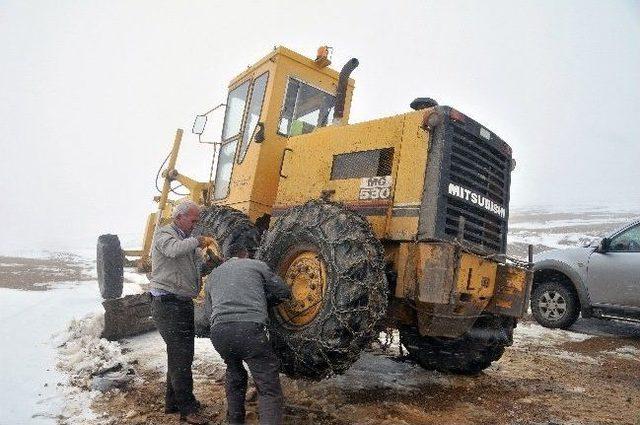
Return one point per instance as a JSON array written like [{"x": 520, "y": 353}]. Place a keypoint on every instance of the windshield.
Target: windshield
[
  {"x": 304, "y": 109},
  {"x": 623, "y": 227}
]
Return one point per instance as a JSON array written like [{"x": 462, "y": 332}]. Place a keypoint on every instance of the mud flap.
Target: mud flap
[{"x": 513, "y": 289}]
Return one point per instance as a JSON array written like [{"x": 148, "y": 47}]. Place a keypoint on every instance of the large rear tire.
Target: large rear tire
[
  {"x": 335, "y": 267},
  {"x": 227, "y": 226},
  {"x": 110, "y": 266},
  {"x": 468, "y": 354}
]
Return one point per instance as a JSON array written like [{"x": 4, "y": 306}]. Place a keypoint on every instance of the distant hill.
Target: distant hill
[{"x": 547, "y": 229}]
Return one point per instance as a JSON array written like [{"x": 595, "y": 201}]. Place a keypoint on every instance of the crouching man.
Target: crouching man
[
  {"x": 238, "y": 294},
  {"x": 175, "y": 280}
]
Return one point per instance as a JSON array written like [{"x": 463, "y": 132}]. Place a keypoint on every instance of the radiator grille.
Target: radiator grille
[{"x": 483, "y": 169}]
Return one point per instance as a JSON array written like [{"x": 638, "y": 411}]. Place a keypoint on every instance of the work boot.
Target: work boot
[
  {"x": 194, "y": 418},
  {"x": 197, "y": 406},
  {"x": 171, "y": 409}
]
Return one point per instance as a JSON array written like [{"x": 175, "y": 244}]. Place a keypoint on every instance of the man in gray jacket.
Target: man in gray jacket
[
  {"x": 175, "y": 280},
  {"x": 238, "y": 294}
]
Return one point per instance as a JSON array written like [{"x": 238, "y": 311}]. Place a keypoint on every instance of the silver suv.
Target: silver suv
[{"x": 600, "y": 280}]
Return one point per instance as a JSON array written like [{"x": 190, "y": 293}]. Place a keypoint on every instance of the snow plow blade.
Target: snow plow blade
[{"x": 127, "y": 316}]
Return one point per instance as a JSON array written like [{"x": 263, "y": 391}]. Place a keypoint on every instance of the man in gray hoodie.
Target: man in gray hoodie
[
  {"x": 238, "y": 294},
  {"x": 175, "y": 280}
]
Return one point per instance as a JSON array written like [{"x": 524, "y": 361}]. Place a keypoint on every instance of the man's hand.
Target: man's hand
[
  {"x": 205, "y": 241},
  {"x": 211, "y": 262},
  {"x": 276, "y": 291}
]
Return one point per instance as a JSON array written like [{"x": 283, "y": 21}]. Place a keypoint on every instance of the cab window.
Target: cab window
[
  {"x": 253, "y": 114},
  {"x": 304, "y": 109},
  {"x": 629, "y": 240},
  {"x": 236, "y": 103},
  {"x": 223, "y": 171},
  {"x": 235, "y": 120}
]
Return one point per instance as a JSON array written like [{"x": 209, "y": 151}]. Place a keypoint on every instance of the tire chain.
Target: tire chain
[
  {"x": 221, "y": 222},
  {"x": 336, "y": 357}
]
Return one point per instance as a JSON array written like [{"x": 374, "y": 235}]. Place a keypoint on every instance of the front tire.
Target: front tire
[
  {"x": 554, "y": 305},
  {"x": 335, "y": 267}
]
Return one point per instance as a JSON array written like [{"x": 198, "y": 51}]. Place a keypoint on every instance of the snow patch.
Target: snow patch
[
  {"x": 149, "y": 352},
  {"x": 135, "y": 277},
  {"x": 573, "y": 357},
  {"x": 527, "y": 333},
  {"x": 32, "y": 389},
  {"x": 83, "y": 354},
  {"x": 626, "y": 352},
  {"x": 89, "y": 363},
  {"x": 552, "y": 240},
  {"x": 375, "y": 371}
]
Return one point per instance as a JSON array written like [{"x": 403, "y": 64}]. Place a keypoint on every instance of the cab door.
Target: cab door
[{"x": 613, "y": 277}]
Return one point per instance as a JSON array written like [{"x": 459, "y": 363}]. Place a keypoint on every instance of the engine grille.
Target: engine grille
[
  {"x": 468, "y": 175},
  {"x": 478, "y": 166}
]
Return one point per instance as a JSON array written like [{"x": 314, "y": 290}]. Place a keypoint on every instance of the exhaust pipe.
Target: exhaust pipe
[{"x": 341, "y": 93}]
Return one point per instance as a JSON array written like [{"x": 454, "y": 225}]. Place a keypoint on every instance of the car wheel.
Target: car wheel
[{"x": 554, "y": 305}]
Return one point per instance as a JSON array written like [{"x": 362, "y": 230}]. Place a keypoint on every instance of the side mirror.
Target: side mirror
[
  {"x": 199, "y": 124},
  {"x": 605, "y": 243},
  {"x": 258, "y": 133}
]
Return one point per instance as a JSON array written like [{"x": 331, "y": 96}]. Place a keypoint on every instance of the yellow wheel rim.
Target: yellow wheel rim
[{"x": 306, "y": 275}]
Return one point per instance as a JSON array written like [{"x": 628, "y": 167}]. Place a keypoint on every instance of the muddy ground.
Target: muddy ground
[{"x": 590, "y": 375}]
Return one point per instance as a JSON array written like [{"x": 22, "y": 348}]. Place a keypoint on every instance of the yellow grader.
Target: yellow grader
[{"x": 396, "y": 223}]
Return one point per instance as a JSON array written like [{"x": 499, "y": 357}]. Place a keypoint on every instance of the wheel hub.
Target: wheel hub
[
  {"x": 552, "y": 305},
  {"x": 306, "y": 276}
]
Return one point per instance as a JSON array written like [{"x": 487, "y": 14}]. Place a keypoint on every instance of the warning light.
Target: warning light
[{"x": 323, "y": 58}]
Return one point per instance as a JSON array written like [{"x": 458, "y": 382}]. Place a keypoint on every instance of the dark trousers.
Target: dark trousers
[
  {"x": 174, "y": 320},
  {"x": 248, "y": 342}
]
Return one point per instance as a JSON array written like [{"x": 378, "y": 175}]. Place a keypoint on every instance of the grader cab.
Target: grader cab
[{"x": 399, "y": 222}]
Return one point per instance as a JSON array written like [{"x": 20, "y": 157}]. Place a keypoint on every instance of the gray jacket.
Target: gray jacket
[
  {"x": 241, "y": 290},
  {"x": 175, "y": 264}
]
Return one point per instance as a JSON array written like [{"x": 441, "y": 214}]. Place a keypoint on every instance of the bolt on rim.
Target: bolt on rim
[{"x": 306, "y": 275}]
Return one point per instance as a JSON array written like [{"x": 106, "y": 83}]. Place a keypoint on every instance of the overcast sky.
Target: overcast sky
[{"x": 94, "y": 90}]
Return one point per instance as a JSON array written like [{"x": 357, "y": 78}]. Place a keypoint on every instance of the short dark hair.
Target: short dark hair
[{"x": 235, "y": 249}]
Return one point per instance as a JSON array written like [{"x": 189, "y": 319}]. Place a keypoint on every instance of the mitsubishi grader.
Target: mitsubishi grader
[{"x": 396, "y": 223}]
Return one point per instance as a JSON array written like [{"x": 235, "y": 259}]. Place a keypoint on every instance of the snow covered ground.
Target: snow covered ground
[
  {"x": 33, "y": 390},
  {"x": 49, "y": 338}
]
